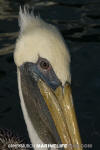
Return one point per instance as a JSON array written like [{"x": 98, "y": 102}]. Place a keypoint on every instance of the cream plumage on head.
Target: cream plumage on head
[{"x": 40, "y": 39}]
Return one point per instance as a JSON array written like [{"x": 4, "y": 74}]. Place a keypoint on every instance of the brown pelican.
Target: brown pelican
[{"x": 43, "y": 70}]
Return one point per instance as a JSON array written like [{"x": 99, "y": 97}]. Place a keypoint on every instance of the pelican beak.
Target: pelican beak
[{"x": 61, "y": 107}]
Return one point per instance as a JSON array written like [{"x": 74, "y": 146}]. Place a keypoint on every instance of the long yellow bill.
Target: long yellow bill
[{"x": 61, "y": 107}]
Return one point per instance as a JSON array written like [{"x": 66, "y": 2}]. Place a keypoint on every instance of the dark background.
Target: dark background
[{"x": 79, "y": 22}]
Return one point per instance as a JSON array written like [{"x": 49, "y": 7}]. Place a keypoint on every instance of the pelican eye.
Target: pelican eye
[{"x": 44, "y": 64}]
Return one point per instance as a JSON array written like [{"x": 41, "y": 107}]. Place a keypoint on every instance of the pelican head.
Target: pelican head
[{"x": 43, "y": 67}]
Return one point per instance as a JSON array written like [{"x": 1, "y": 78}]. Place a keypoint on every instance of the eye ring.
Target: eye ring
[{"x": 44, "y": 65}]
